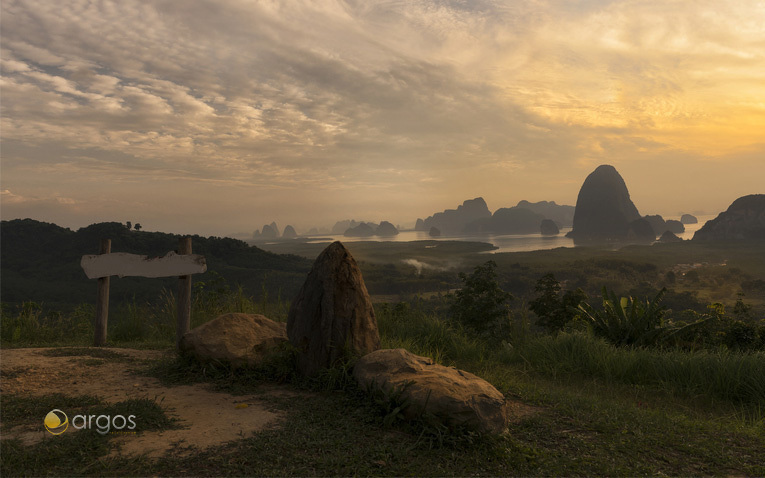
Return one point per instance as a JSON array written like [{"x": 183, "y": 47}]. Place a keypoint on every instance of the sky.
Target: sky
[{"x": 216, "y": 117}]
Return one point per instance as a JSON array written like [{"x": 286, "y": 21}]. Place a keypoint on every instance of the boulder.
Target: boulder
[
  {"x": 434, "y": 232},
  {"x": 289, "y": 232},
  {"x": 743, "y": 220},
  {"x": 689, "y": 219},
  {"x": 548, "y": 228},
  {"x": 455, "y": 397},
  {"x": 604, "y": 209},
  {"x": 332, "y": 318},
  {"x": 237, "y": 339}
]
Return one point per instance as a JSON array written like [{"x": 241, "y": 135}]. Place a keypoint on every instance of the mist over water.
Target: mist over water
[{"x": 503, "y": 242}]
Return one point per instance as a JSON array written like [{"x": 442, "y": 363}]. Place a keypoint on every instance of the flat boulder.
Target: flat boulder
[
  {"x": 455, "y": 397},
  {"x": 237, "y": 339},
  {"x": 332, "y": 319}
]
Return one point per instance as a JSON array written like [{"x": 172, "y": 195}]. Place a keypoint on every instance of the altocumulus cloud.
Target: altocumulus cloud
[{"x": 286, "y": 110}]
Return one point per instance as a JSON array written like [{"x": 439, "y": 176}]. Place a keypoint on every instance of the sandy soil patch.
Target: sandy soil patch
[{"x": 209, "y": 418}]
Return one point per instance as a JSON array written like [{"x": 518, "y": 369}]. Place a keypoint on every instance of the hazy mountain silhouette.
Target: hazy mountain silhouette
[
  {"x": 604, "y": 210},
  {"x": 453, "y": 221},
  {"x": 743, "y": 220},
  {"x": 508, "y": 220},
  {"x": 562, "y": 215}
]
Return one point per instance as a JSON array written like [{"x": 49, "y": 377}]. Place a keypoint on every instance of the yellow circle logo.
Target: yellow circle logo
[{"x": 56, "y": 422}]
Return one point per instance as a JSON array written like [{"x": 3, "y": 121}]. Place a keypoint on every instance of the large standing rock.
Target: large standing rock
[
  {"x": 456, "y": 397},
  {"x": 238, "y": 339},
  {"x": 332, "y": 317},
  {"x": 604, "y": 210}
]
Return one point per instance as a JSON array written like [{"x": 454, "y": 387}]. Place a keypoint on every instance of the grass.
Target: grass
[{"x": 592, "y": 409}]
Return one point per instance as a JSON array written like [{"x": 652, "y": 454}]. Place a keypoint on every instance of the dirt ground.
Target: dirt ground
[{"x": 208, "y": 417}]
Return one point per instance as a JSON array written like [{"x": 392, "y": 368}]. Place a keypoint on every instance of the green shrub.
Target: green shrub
[
  {"x": 552, "y": 309},
  {"x": 627, "y": 321},
  {"x": 481, "y": 305}
]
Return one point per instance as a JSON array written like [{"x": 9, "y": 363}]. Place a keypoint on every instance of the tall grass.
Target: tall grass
[
  {"x": 723, "y": 375},
  {"x": 146, "y": 324}
]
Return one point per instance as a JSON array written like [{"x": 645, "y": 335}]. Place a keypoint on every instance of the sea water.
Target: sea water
[{"x": 503, "y": 242}]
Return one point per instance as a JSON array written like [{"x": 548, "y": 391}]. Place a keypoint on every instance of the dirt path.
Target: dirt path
[{"x": 209, "y": 417}]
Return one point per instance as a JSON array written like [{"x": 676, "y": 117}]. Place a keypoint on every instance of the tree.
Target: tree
[
  {"x": 552, "y": 309},
  {"x": 137, "y": 226},
  {"x": 129, "y": 225},
  {"x": 481, "y": 305}
]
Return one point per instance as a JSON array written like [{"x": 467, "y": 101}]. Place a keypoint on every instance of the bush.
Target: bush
[
  {"x": 481, "y": 305},
  {"x": 554, "y": 310}
]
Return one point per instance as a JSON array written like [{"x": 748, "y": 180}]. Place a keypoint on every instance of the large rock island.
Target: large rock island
[
  {"x": 453, "y": 221},
  {"x": 744, "y": 220},
  {"x": 604, "y": 211}
]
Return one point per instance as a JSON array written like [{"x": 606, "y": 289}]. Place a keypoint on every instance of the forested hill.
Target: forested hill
[{"x": 40, "y": 262}]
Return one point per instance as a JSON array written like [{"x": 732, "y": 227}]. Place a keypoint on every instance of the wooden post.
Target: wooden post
[
  {"x": 102, "y": 301},
  {"x": 184, "y": 296}
]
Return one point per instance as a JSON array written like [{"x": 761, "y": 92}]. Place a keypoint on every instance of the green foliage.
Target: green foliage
[
  {"x": 627, "y": 321},
  {"x": 720, "y": 374},
  {"x": 718, "y": 329},
  {"x": 481, "y": 305},
  {"x": 553, "y": 309},
  {"x": 31, "y": 324}
]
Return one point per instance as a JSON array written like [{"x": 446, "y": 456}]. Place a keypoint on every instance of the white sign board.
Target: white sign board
[{"x": 124, "y": 264}]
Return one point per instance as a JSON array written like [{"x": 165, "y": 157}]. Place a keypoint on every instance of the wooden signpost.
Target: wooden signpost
[{"x": 183, "y": 264}]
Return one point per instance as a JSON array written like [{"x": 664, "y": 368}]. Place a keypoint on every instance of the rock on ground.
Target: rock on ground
[
  {"x": 455, "y": 397},
  {"x": 238, "y": 339},
  {"x": 332, "y": 318}
]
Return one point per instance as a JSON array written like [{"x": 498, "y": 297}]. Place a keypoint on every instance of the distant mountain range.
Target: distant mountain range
[{"x": 474, "y": 217}]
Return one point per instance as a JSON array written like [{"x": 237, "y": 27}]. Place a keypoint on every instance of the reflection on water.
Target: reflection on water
[{"x": 503, "y": 242}]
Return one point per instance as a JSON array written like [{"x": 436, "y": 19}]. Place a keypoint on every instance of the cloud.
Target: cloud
[{"x": 430, "y": 101}]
